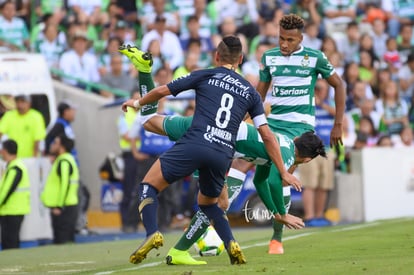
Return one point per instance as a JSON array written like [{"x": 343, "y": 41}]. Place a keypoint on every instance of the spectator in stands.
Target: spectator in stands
[
  {"x": 379, "y": 37},
  {"x": 337, "y": 15},
  {"x": 384, "y": 76},
  {"x": 269, "y": 33},
  {"x": 393, "y": 110},
  {"x": 391, "y": 56},
  {"x": 329, "y": 46},
  {"x": 117, "y": 78},
  {"x": 24, "y": 125},
  {"x": 310, "y": 11},
  {"x": 310, "y": 37},
  {"x": 14, "y": 34},
  {"x": 229, "y": 27},
  {"x": 360, "y": 142},
  {"x": 158, "y": 58},
  {"x": 366, "y": 43},
  {"x": 172, "y": 19},
  {"x": 37, "y": 31},
  {"x": 207, "y": 26},
  {"x": 169, "y": 42},
  {"x": 44, "y": 7},
  {"x": 359, "y": 92},
  {"x": 317, "y": 176},
  {"x": 405, "y": 43},
  {"x": 128, "y": 10},
  {"x": 90, "y": 9},
  {"x": 337, "y": 62},
  {"x": 251, "y": 67},
  {"x": 14, "y": 195},
  {"x": 404, "y": 139},
  {"x": 190, "y": 65},
  {"x": 366, "y": 126},
  {"x": 398, "y": 13},
  {"x": 104, "y": 58},
  {"x": 365, "y": 108},
  {"x": 266, "y": 9},
  {"x": 385, "y": 141},
  {"x": 406, "y": 79},
  {"x": 124, "y": 31},
  {"x": 367, "y": 69},
  {"x": 244, "y": 13},
  {"x": 194, "y": 33},
  {"x": 78, "y": 65},
  {"x": 348, "y": 45},
  {"x": 50, "y": 46}
]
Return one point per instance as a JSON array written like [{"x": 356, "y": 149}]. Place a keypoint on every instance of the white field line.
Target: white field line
[
  {"x": 355, "y": 227},
  {"x": 244, "y": 247}
]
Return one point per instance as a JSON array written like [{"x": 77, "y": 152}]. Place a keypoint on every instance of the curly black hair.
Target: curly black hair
[{"x": 292, "y": 22}]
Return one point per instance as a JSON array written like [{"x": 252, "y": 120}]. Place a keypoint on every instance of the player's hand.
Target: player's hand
[
  {"x": 130, "y": 103},
  {"x": 292, "y": 180},
  {"x": 291, "y": 222},
  {"x": 336, "y": 135}
]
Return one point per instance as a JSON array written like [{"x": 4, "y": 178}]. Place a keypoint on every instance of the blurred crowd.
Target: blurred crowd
[{"x": 369, "y": 42}]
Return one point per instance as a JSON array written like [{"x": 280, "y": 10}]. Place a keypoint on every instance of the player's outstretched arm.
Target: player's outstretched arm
[
  {"x": 273, "y": 149},
  {"x": 155, "y": 95}
]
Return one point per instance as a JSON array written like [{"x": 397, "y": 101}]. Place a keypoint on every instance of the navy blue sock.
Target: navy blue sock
[
  {"x": 148, "y": 207},
  {"x": 220, "y": 222}
]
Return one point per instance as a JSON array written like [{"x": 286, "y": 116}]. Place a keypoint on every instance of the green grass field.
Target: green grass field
[{"x": 381, "y": 247}]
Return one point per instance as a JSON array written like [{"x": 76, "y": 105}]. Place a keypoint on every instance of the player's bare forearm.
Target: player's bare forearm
[
  {"x": 340, "y": 95},
  {"x": 262, "y": 88},
  {"x": 153, "y": 96}
]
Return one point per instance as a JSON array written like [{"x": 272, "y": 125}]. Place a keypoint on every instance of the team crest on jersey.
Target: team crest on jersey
[{"x": 305, "y": 61}]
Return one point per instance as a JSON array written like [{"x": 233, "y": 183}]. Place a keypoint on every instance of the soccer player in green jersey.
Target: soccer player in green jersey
[{"x": 291, "y": 71}]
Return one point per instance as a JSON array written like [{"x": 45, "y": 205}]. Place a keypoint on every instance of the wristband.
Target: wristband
[{"x": 136, "y": 104}]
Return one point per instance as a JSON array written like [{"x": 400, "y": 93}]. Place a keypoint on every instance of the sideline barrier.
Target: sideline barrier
[{"x": 380, "y": 186}]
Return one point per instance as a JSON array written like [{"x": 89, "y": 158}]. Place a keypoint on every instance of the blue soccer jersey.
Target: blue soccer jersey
[{"x": 222, "y": 98}]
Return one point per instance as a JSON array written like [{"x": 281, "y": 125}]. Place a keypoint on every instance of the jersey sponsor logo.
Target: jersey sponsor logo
[
  {"x": 302, "y": 72},
  {"x": 289, "y": 92},
  {"x": 286, "y": 71},
  {"x": 231, "y": 85}
]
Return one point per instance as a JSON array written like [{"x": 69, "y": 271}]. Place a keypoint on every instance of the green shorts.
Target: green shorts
[{"x": 176, "y": 126}]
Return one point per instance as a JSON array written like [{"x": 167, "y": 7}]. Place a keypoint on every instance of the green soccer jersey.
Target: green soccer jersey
[
  {"x": 249, "y": 144},
  {"x": 293, "y": 80}
]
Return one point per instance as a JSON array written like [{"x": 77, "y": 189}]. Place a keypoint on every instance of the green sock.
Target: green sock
[
  {"x": 235, "y": 180},
  {"x": 198, "y": 225},
  {"x": 146, "y": 84},
  {"x": 278, "y": 227}
]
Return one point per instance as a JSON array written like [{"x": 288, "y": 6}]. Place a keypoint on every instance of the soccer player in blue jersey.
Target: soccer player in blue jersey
[{"x": 223, "y": 98}]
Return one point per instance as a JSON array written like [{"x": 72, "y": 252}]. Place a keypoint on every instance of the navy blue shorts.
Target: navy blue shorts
[{"x": 183, "y": 159}]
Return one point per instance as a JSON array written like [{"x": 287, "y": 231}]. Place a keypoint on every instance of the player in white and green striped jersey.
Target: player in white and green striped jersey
[{"x": 291, "y": 71}]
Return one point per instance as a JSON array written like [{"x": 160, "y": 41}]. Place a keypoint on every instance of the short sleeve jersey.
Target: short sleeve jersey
[
  {"x": 14, "y": 31},
  {"x": 293, "y": 81},
  {"x": 222, "y": 99}
]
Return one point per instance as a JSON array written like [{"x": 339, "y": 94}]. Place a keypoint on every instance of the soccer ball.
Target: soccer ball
[{"x": 209, "y": 244}]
